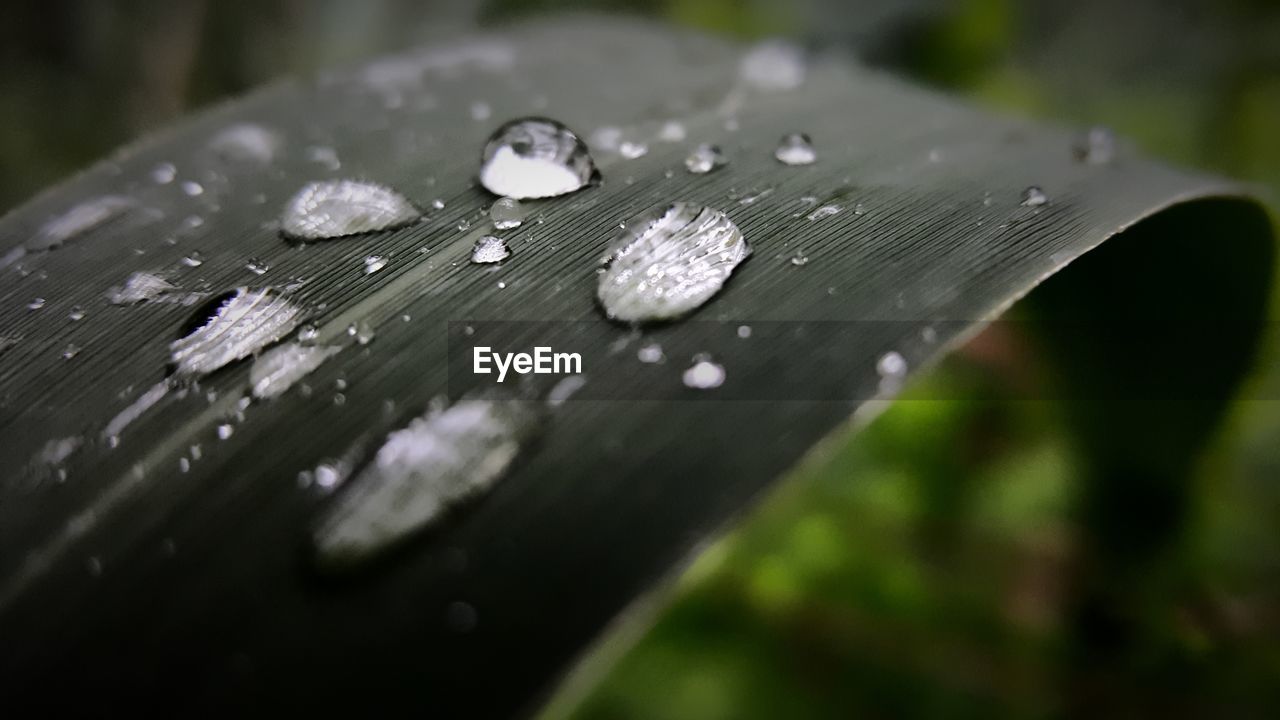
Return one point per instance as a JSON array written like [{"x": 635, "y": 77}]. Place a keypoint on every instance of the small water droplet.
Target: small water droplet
[
  {"x": 195, "y": 259},
  {"x": 192, "y": 188},
  {"x": 705, "y": 158},
  {"x": 502, "y": 285},
  {"x": 1033, "y": 196},
  {"x": 651, "y": 354},
  {"x": 744, "y": 331},
  {"x": 535, "y": 158},
  {"x": 341, "y": 208},
  {"x": 94, "y": 566},
  {"x": 1097, "y": 146},
  {"x": 361, "y": 331},
  {"x": 822, "y": 212},
  {"x": 374, "y": 263},
  {"x": 606, "y": 138},
  {"x": 704, "y": 374},
  {"x": 565, "y": 389},
  {"x": 76, "y": 314},
  {"x": 280, "y": 368},
  {"x": 480, "y": 111},
  {"x": 773, "y": 65},
  {"x": 929, "y": 335},
  {"x": 225, "y": 431},
  {"x": 668, "y": 262},
  {"x": 631, "y": 149},
  {"x": 71, "y": 351},
  {"x": 438, "y": 461},
  {"x": 308, "y": 333},
  {"x": 891, "y": 364},
  {"x": 795, "y": 149},
  {"x": 672, "y": 131},
  {"x": 506, "y": 213},
  {"x": 324, "y": 156},
  {"x": 245, "y": 143},
  {"x": 164, "y": 173},
  {"x": 257, "y": 266},
  {"x": 75, "y": 222},
  {"x": 799, "y": 259},
  {"x": 232, "y": 327},
  {"x": 489, "y": 249},
  {"x": 437, "y": 204},
  {"x": 36, "y": 303}
]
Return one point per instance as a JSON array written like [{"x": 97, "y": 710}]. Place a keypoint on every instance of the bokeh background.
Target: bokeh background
[{"x": 932, "y": 565}]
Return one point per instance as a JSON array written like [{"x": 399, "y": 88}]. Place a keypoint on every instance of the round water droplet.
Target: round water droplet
[
  {"x": 672, "y": 131},
  {"x": 1097, "y": 146},
  {"x": 535, "y": 158},
  {"x": 225, "y": 431},
  {"x": 773, "y": 65},
  {"x": 705, "y": 158},
  {"x": 631, "y": 149},
  {"x": 506, "y": 213},
  {"x": 361, "y": 331},
  {"x": 799, "y": 259},
  {"x": 164, "y": 173},
  {"x": 76, "y": 314},
  {"x": 374, "y": 263},
  {"x": 256, "y": 266},
  {"x": 480, "y": 111},
  {"x": 192, "y": 188},
  {"x": 1034, "y": 197},
  {"x": 36, "y": 303},
  {"x": 651, "y": 353},
  {"x": 195, "y": 259},
  {"x": 668, "y": 262},
  {"x": 246, "y": 143},
  {"x": 489, "y": 249},
  {"x": 704, "y": 375},
  {"x": 71, "y": 351},
  {"x": 341, "y": 208},
  {"x": 744, "y": 331},
  {"x": 795, "y": 149}
]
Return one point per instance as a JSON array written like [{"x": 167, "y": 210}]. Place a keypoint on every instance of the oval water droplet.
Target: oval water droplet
[
  {"x": 668, "y": 262},
  {"x": 651, "y": 354},
  {"x": 773, "y": 65},
  {"x": 535, "y": 158},
  {"x": 421, "y": 471},
  {"x": 672, "y": 131},
  {"x": 246, "y": 142},
  {"x": 278, "y": 369},
  {"x": 374, "y": 263},
  {"x": 231, "y": 327},
  {"x": 891, "y": 364},
  {"x": 76, "y": 314},
  {"x": 341, "y": 208},
  {"x": 799, "y": 259},
  {"x": 195, "y": 259},
  {"x": 632, "y": 149},
  {"x": 704, "y": 374},
  {"x": 705, "y": 158},
  {"x": 489, "y": 249},
  {"x": 506, "y": 214},
  {"x": 257, "y": 266},
  {"x": 164, "y": 173},
  {"x": 822, "y": 212},
  {"x": 1033, "y": 196},
  {"x": 795, "y": 149},
  {"x": 1097, "y": 146},
  {"x": 36, "y": 303}
]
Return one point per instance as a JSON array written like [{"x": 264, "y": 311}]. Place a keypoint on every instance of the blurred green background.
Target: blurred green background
[{"x": 934, "y": 565}]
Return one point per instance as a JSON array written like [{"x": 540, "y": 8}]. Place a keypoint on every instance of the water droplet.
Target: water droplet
[
  {"x": 71, "y": 351},
  {"x": 164, "y": 173},
  {"x": 76, "y": 314},
  {"x": 822, "y": 212},
  {"x": 192, "y": 188},
  {"x": 668, "y": 262},
  {"x": 672, "y": 131},
  {"x": 278, "y": 369},
  {"x": 929, "y": 335},
  {"x": 374, "y": 263},
  {"x": 773, "y": 65},
  {"x": 489, "y": 249},
  {"x": 361, "y": 331},
  {"x": 1034, "y": 197},
  {"x": 704, "y": 375},
  {"x": 744, "y": 331},
  {"x": 246, "y": 142},
  {"x": 225, "y": 431},
  {"x": 891, "y": 364},
  {"x": 535, "y": 158},
  {"x": 795, "y": 149},
  {"x": 139, "y": 287},
  {"x": 77, "y": 221},
  {"x": 195, "y": 259},
  {"x": 435, "y": 463},
  {"x": 340, "y": 208},
  {"x": 324, "y": 156},
  {"x": 257, "y": 266},
  {"x": 506, "y": 214},
  {"x": 799, "y": 259},
  {"x": 631, "y": 149},
  {"x": 1097, "y": 146},
  {"x": 705, "y": 158},
  {"x": 232, "y": 327},
  {"x": 36, "y": 303},
  {"x": 606, "y": 138},
  {"x": 308, "y": 333},
  {"x": 565, "y": 389},
  {"x": 651, "y": 354},
  {"x": 480, "y": 111}
]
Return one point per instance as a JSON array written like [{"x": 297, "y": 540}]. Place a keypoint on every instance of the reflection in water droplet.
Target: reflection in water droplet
[
  {"x": 535, "y": 158},
  {"x": 773, "y": 65},
  {"x": 139, "y": 287},
  {"x": 668, "y": 262},
  {"x": 506, "y": 213},
  {"x": 795, "y": 149},
  {"x": 232, "y": 327},
  {"x": 704, "y": 375},
  {"x": 225, "y": 431},
  {"x": 1097, "y": 146},
  {"x": 245, "y": 143},
  {"x": 1034, "y": 197},
  {"x": 278, "y": 369},
  {"x": 71, "y": 351},
  {"x": 340, "y": 208},
  {"x": 438, "y": 461},
  {"x": 374, "y": 263},
  {"x": 489, "y": 249},
  {"x": 704, "y": 158}
]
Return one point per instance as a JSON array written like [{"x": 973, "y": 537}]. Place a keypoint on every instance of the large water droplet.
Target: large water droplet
[
  {"x": 535, "y": 158},
  {"x": 668, "y": 262},
  {"x": 246, "y": 142},
  {"x": 339, "y": 208},
  {"x": 704, "y": 158},
  {"x": 773, "y": 65},
  {"x": 276, "y": 370},
  {"x": 489, "y": 249},
  {"x": 795, "y": 149},
  {"x": 1097, "y": 146},
  {"x": 232, "y": 327},
  {"x": 506, "y": 214},
  {"x": 438, "y": 461},
  {"x": 139, "y": 287},
  {"x": 1034, "y": 197}
]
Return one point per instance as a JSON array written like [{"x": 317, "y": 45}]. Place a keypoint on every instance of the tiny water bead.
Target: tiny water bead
[
  {"x": 773, "y": 65},
  {"x": 506, "y": 214},
  {"x": 36, "y": 303},
  {"x": 246, "y": 143},
  {"x": 341, "y": 208},
  {"x": 668, "y": 262},
  {"x": 1096, "y": 146},
  {"x": 795, "y": 149},
  {"x": 438, "y": 461},
  {"x": 490, "y": 249},
  {"x": 822, "y": 212},
  {"x": 231, "y": 327},
  {"x": 705, "y": 158},
  {"x": 631, "y": 149},
  {"x": 799, "y": 259},
  {"x": 1033, "y": 196},
  {"x": 374, "y": 263},
  {"x": 704, "y": 374},
  {"x": 535, "y": 158}
]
